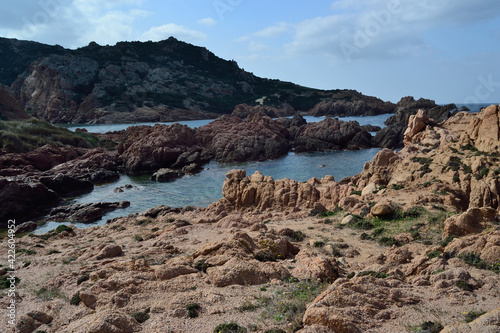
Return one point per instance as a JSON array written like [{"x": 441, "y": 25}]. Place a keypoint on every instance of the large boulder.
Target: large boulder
[{"x": 473, "y": 221}]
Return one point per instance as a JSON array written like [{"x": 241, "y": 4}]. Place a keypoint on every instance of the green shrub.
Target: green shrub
[
  {"x": 429, "y": 327},
  {"x": 75, "y": 299},
  {"x": 378, "y": 275},
  {"x": 297, "y": 236},
  {"x": 434, "y": 254},
  {"x": 193, "y": 309},
  {"x": 229, "y": 328},
  {"x": 388, "y": 241},
  {"x": 140, "y": 317},
  {"x": 5, "y": 282},
  {"x": 414, "y": 212},
  {"x": 319, "y": 244},
  {"x": 62, "y": 228},
  {"x": 472, "y": 315},
  {"x": 447, "y": 240},
  {"x": 475, "y": 260},
  {"x": 201, "y": 265}
]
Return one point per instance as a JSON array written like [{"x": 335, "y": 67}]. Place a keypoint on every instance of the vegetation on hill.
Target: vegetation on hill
[{"x": 24, "y": 136}]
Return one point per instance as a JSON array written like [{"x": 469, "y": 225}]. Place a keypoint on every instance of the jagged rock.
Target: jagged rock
[
  {"x": 85, "y": 213},
  {"x": 389, "y": 137},
  {"x": 487, "y": 323},
  {"x": 331, "y": 134},
  {"x": 110, "y": 251},
  {"x": 40, "y": 316},
  {"x": 147, "y": 149},
  {"x": 416, "y": 124},
  {"x": 173, "y": 272},
  {"x": 10, "y": 107},
  {"x": 23, "y": 200},
  {"x": 473, "y": 221},
  {"x": 382, "y": 210},
  {"x": 243, "y": 111},
  {"x": 107, "y": 321},
  {"x": 352, "y": 108},
  {"x": 244, "y": 273},
  {"x": 230, "y": 139},
  {"x": 351, "y": 305},
  {"x": 486, "y": 246},
  {"x": 26, "y": 227},
  {"x": 26, "y": 324},
  {"x": 165, "y": 175}
]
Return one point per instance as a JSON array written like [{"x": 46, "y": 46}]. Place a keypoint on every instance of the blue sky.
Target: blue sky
[{"x": 446, "y": 50}]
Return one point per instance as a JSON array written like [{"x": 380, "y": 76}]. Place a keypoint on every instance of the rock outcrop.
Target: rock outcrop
[
  {"x": 393, "y": 135},
  {"x": 10, "y": 107}
]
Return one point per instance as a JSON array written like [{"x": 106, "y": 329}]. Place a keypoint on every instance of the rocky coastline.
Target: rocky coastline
[{"x": 410, "y": 243}]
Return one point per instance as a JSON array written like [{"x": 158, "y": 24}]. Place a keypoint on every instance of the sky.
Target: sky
[{"x": 445, "y": 50}]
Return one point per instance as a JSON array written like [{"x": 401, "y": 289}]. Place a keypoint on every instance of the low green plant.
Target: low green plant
[
  {"x": 356, "y": 193},
  {"x": 397, "y": 187},
  {"x": 319, "y": 244},
  {"x": 201, "y": 265},
  {"x": 247, "y": 306},
  {"x": 193, "y": 309},
  {"x": 464, "y": 285},
  {"x": 140, "y": 317},
  {"x": 475, "y": 260},
  {"x": 48, "y": 294},
  {"x": 27, "y": 252},
  {"x": 434, "y": 254},
  {"x": 229, "y": 328},
  {"x": 53, "y": 252},
  {"x": 75, "y": 299},
  {"x": 138, "y": 238},
  {"x": 388, "y": 241},
  {"x": 470, "y": 316},
  {"x": 297, "y": 236},
  {"x": 378, "y": 275},
  {"x": 62, "y": 228},
  {"x": 5, "y": 282},
  {"x": 447, "y": 240},
  {"x": 428, "y": 327}
]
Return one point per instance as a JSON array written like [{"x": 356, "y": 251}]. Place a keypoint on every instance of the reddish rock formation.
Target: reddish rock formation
[
  {"x": 10, "y": 107},
  {"x": 147, "y": 149},
  {"x": 230, "y": 139}
]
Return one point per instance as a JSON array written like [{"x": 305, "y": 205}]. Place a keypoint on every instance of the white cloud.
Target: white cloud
[
  {"x": 269, "y": 32},
  {"x": 382, "y": 29},
  {"x": 209, "y": 22},
  {"x": 171, "y": 29}
]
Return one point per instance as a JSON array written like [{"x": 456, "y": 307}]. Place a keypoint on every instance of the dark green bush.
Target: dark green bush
[
  {"x": 62, "y": 228},
  {"x": 378, "y": 275},
  {"x": 229, "y": 328},
  {"x": 75, "y": 300},
  {"x": 140, "y": 317},
  {"x": 193, "y": 309}
]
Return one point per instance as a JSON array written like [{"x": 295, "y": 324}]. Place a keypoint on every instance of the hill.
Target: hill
[{"x": 153, "y": 81}]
